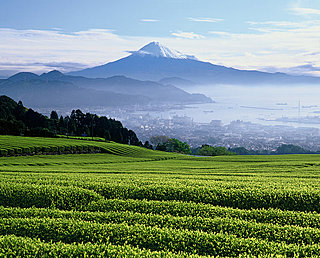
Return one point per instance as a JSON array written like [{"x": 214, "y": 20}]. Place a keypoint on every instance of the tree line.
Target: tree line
[
  {"x": 15, "y": 119},
  {"x": 165, "y": 143},
  {"x": 282, "y": 149}
]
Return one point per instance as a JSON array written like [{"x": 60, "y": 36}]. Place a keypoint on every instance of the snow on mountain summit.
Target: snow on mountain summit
[{"x": 158, "y": 50}]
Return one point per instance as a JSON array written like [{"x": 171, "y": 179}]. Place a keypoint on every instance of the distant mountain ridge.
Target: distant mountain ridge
[
  {"x": 57, "y": 89},
  {"x": 35, "y": 92},
  {"x": 165, "y": 93},
  {"x": 179, "y": 82},
  {"x": 155, "y": 62}
]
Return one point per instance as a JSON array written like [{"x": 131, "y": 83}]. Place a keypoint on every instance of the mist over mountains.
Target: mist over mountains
[
  {"x": 54, "y": 89},
  {"x": 156, "y": 62},
  {"x": 152, "y": 75}
]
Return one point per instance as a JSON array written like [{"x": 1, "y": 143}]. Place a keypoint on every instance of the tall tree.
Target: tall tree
[{"x": 54, "y": 115}]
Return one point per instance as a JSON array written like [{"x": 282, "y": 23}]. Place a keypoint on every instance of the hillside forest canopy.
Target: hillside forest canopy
[{"x": 15, "y": 119}]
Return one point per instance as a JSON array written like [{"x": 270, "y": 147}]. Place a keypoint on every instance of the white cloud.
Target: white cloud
[
  {"x": 305, "y": 69},
  {"x": 205, "y": 19},
  {"x": 36, "y": 48},
  {"x": 220, "y": 33},
  {"x": 275, "y": 46},
  {"x": 187, "y": 35},
  {"x": 149, "y": 20},
  {"x": 264, "y": 30},
  {"x": 287, "y": 24},
  {"x": 61, "y": 66},
  {"x": 305, "y": 11}
]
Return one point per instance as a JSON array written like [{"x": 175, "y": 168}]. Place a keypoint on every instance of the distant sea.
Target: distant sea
[{"x": 257, "y": 104}]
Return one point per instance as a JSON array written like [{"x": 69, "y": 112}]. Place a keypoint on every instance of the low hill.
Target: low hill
[
  {"x": 19, "y": 145},
  {"x": 15, "y": 119},
  {"x": 157, "y": 91},
  {"x": 38, "y": 92},
  {"x": 55, "y": 89},
  {"x": 179, "y": 82}
]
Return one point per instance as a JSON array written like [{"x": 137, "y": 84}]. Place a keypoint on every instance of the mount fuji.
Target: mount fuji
[
  {"x": 156, "y": 62},
  {"x": 157, "y": 50}
]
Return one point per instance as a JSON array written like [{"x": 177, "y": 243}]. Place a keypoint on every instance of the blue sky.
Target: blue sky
[
  {"x": 268, "y": 35},
  {"x": 126, "y": 17}
]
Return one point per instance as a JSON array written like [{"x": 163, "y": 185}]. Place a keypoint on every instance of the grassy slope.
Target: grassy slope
[
  {"x": 38, "y": 145},
  {"x": 257, "y": 205}
]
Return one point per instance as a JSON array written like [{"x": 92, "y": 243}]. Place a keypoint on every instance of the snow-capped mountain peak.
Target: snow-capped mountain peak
[{"x": 158, "y": 50}]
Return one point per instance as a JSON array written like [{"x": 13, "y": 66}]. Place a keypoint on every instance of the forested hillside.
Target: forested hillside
[{"x": 15, "y": 119}]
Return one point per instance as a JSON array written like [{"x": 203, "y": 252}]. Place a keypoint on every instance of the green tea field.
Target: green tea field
[{"x": 110, "y": 200}]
